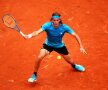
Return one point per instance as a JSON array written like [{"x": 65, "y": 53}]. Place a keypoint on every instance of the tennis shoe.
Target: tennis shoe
[
  {"x": 79, "y": 68},
  {"x": 32, "y": 78}
]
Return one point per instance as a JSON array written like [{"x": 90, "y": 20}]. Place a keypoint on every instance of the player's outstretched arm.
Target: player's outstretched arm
[
  {"x": 80, "y": 43},
  {"x": 35, "y": 33}
]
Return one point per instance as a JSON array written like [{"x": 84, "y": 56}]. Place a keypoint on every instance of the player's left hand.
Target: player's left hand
[{"x": 83, "y": 50}]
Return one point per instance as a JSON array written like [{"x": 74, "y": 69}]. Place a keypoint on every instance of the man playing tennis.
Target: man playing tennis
[{"x": 55, "y": 30}]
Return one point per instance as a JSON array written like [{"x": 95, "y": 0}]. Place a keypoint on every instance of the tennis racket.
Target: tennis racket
[{"x": 10, "y": 22}]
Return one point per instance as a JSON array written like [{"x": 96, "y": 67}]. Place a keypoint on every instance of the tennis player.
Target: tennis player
[{"x": 55, "y": 30}]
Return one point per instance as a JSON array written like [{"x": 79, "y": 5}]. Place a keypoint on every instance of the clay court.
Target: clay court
[{"x": 88, "y": 18}]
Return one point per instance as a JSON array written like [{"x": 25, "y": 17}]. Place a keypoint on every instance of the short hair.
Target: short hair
[{"x": 56, "y": 14}]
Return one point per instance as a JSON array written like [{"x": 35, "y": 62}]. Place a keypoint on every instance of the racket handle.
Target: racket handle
[
  {"x": 17, "y": 28},
  {"x": 22, "y": 33}
]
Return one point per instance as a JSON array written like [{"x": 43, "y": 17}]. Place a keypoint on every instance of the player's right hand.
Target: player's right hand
[{"x": 28, "y": 36}]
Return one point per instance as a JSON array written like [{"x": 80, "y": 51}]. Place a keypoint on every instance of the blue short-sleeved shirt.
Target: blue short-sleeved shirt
[{"x": 54, "y": 35}]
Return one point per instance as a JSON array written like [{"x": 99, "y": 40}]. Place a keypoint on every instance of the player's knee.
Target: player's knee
[{"x": 40, "y": 57}]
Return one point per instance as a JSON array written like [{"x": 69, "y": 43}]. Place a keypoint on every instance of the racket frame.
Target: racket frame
[{"x": 16, "y": 24}]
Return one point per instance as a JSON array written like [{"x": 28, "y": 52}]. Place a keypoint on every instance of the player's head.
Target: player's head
[
  {"x": 56, "y": 15},
  {"x": 56, "y": 20}
]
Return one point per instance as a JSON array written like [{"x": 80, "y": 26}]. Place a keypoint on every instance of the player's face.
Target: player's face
[{"x": 56, "y": 22}]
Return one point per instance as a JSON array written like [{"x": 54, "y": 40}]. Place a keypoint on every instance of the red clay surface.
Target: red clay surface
[{"x": 88, "y": 18}]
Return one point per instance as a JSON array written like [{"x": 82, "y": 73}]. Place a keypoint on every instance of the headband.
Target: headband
[{"x": 57, "y": 17}]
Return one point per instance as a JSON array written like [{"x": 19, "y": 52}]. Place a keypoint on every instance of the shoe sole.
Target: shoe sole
[
  {"x": 31, "y": 81},
  {"x": 81, "y": 70}
]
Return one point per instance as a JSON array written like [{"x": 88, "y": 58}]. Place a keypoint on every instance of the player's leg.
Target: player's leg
[
  {"x": 65, "y": 54},
  {"x": 42, "y": 54},
  {"x": 68, "y": 59}
]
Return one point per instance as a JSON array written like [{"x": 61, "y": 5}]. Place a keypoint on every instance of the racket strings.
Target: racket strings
[{"x": 9, "y": 21}]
